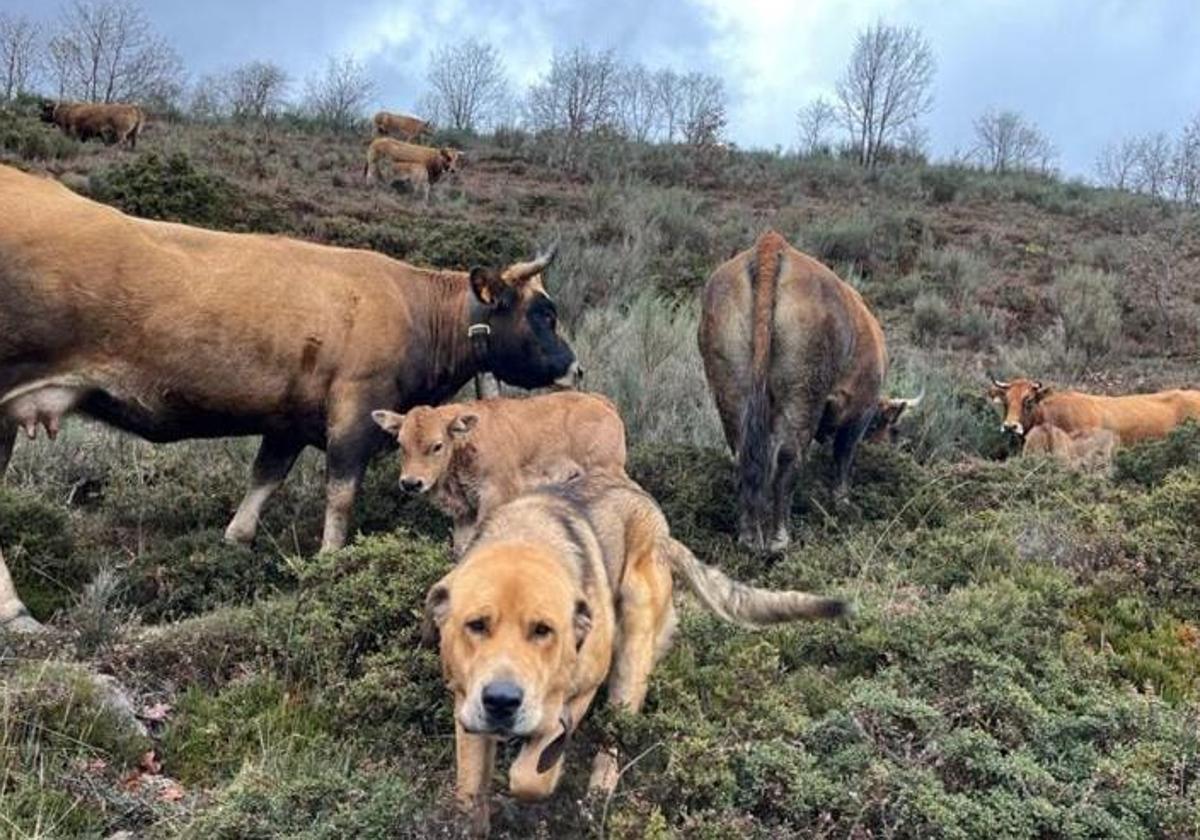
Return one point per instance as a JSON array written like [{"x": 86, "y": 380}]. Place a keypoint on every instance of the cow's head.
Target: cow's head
[
  {"x": 49, "y": 106},
  {"x": 1018, "y": 399},
  {"x": 452, "y": 159},
  {"x": 884, "y": 428},
  {"x": 523, "y": 344},
  {"x": 428, "y": 438}
]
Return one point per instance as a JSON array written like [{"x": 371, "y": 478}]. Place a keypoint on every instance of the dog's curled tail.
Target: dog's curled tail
[{"x": 742, "y": 604}]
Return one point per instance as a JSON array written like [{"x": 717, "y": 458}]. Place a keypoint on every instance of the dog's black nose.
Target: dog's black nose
[
  {"x": 411, "y": 485},
  {"x": 501, "y": 699}
]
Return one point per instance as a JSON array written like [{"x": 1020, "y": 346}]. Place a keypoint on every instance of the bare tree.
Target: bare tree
[
  {"x": 208, "y": 98},
  {"x": 107, "y": 51},
  {"x": 18, "y": 54},
  {"x": 638, "y": 107},
  {"x": 577, "y": 95},
  {"x": 1006, "y": 142},
  {"x": 1152, "y": 167},
  {"x": 338, "y": 97},
  {"x": 1117, "y": 163},
  {"x": 815, "y": 120},
  {"x": 668, "y": 93},
  {"x": 703, "y": 116},
  {"x": 256, "y": 91},
  {"x": 468, "y": 82},
  {"x": 1185, "y": 166},
  {"x": 885, "y": 87}
]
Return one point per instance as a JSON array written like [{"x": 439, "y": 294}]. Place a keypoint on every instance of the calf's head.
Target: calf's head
[
  {"x": 524, "y": 347},
  {"x": 452, "y": 159},
  {"x": 1018, "y": 399},
  {"x": 884, "y": 427},
  {"x": 427, "y": 438},
  {"x": 509, "y": 623}
]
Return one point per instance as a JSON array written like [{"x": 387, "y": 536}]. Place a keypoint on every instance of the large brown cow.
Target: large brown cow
[
  {"x": 1029, "y": 403},
  {"x": 173, "y": 332},
  {"x": 401, "y": 125},
  {"x": 387, "y": 157},
  {"x": 791, "y": 353},
  {"x": 111, "y": 122}
]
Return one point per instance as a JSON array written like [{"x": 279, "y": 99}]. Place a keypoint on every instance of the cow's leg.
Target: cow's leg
[
  {"x": 845, "y": 444},
  {"x": 8, "y": 439},
  {"x": 276, "y": 456},
  {"x": 13, "y": 615},
  {"x": 346, "y": 458},
  {"x": 787, "y": 473},
  {"x": 475, "y": 756}
]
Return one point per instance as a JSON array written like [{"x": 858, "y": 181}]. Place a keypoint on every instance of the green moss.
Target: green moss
[{"x": 36, "y": 538}]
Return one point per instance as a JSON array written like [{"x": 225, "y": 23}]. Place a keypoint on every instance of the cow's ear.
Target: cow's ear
[
  {"x": 1040, "y": 391},
  {"x": 488, "y": 285},
  {"x": 582, "y": 622},
  {"x": 437, "y": 607},
  {"x": 389, "y": 421},
  {"x": 462, "y": 425}
]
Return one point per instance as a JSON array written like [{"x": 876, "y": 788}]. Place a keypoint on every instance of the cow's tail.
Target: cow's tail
[
  {"x": 754, "y": 450},
  {"x": 739, "y": 603}
]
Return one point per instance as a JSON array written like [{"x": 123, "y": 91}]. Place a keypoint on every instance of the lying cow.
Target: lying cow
[
  {"x": 111, "y": 122},
  {"x": 564, "y": 588},
  {"x": 473, "y": 458},
  {"x": 389, "y": 160},
  {"x": 1091, "y": 449},
  {"x": 173, "y": 332},
  {"x": 1028, "y": 403},
  {"x": 400, "y": 125},
  {"x": 791, "y": 353}
]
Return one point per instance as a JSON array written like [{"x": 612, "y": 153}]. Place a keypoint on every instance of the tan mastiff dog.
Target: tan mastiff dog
[{"x": 564, "y": 588}]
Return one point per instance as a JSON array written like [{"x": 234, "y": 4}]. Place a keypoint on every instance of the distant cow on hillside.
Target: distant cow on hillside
[
  {"x": 111, "y": 122},
  {"x": 389, "y": 160},
  {"x": 1028, "y": 403},
  {"x": 791, "y": 353},
  {"x": 401, "y": 126}
]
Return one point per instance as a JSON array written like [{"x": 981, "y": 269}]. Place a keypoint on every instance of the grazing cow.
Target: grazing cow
[
  {"x": 886, "y": 424},
  {"x": 174, "y": 332},
  {"x": 388, "y": 159},
  {"x": 563, "y": 589},
  {"x": 471, "y": 458},
  {"x": 1091, "y": 449},
  {"x": 111, "y": 122},
  {"x": 1028, "y": 403},
  {"x": 791, "y": 353},
  {"x": 401, "y": 126}
]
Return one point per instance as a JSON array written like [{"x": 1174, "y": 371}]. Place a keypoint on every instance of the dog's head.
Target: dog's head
[{"x": 509, "y": 622}]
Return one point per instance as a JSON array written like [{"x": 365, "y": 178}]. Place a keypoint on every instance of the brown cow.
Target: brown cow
[
  {"x": 111, "y": 122},
  {"x": 174, "y": 332},
  {"x": 1092, "y": 449},
  {"x": 471, "y": 458},
  {"x": 401, "y": 125},
  {"x": 885, "y": 426},
  {"x": 1028, "y": 403},
  {"x": 566, "y": 588},
  {"x": 791, "y": 353},
  {"x": 399, "y": 158}
]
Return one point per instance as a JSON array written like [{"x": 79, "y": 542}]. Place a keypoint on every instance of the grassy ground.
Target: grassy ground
[{"x": 1025, "y": 661}]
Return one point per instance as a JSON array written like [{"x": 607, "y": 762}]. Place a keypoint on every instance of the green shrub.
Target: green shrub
[
  {"x": 930, "y": 318},
  {"x": 1149, "y": 462},
  {"x": 942, "y": 184},
  {"x": 1087, "y": 303},
  {"x": 958, "y": 274}
]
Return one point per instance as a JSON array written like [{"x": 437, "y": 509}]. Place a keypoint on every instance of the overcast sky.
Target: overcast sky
[{"x": 1085, "y": 71}]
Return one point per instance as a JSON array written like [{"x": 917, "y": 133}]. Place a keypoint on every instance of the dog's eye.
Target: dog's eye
[
  {"x": 541, "y": 630},
  {"x": 478, "y": 626}
]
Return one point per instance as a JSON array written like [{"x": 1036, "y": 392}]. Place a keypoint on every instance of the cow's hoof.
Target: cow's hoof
[
  {"x": 22, "y": 623},
  {"x": 606, "y": 772},
  {"x": 780, "y": 542}
]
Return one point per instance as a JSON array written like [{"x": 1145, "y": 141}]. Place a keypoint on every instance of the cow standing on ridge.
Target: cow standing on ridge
[
  {"x": 791, "y": 353},
  {"x": 111, "y": 122}
]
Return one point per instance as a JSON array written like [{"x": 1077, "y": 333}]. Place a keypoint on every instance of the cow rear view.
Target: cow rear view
[{"x": 791, "y": 354}]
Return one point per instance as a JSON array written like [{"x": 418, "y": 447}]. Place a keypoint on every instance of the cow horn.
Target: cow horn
[
  {"x": 997, "y": 382},
  {"x": 523, "y": 271},
  {"x": 913, "y": 402}
]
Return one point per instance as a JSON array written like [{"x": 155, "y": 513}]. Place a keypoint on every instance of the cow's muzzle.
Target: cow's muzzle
[
  {"x": 412, "y": 485},
  {"x": 1013, "y": 429},
  {"x": 571, "y": 380}
]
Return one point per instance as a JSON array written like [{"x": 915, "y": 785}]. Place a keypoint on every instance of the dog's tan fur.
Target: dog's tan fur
[
  {"x": 473, "y": 457},
  {"x": 563, "y": 588}
]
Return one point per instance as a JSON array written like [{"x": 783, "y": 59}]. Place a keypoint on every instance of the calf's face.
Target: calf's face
[
  {"x": 508, "y": 647},
  {"x": 427, "y": 438}
]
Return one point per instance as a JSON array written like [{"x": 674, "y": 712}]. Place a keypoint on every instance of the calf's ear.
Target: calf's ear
[
  {"x": 462, "y": 425},
  {"x": 437, "y": 607},
  {"x": 389, "y": 421}
]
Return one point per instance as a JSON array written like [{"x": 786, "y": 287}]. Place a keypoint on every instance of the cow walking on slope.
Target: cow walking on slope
[
  {"x": 111, "y": 122},
  {"x": 791, "y": 353},
  {"x": 174, "y": 332},
  {"x": 400, "y": 125}
]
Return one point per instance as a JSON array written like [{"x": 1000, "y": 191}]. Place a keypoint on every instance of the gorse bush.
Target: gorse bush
[
  {"x": 1087, "y": 303},
  {"x": 931, "y": 318}
]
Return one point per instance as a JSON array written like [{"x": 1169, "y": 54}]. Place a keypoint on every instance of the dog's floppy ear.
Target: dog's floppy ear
[
  {"x": 437, "y": 605},
  {"x": 582, "y": 622}
]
